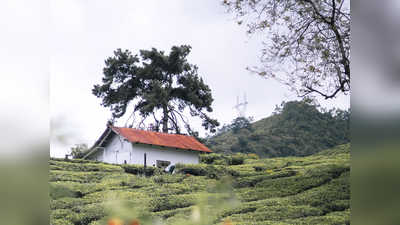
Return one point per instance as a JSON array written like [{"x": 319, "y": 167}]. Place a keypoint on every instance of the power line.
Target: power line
[{"x": 241, "y": 112}]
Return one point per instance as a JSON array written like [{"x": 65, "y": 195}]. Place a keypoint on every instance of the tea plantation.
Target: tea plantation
[{"x": 291, "y": 190}]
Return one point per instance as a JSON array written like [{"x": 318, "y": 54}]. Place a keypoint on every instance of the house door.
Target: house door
[{"x": 163, "y": 164}]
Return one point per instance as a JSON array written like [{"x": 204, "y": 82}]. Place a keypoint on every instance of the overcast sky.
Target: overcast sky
[{"x": 85, "y": 33}]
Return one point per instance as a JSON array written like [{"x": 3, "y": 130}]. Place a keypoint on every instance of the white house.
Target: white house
[{"x": 131, "y": 146}]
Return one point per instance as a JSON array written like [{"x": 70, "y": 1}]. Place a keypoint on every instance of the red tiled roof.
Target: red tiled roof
[{"x": 161, "y": 139}]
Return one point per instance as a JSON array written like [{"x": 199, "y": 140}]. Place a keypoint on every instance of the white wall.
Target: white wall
[
  {"x": 154, "y": 153},
  {"x": 116, "y": 151},
  {"x": 98, "y": 155}
]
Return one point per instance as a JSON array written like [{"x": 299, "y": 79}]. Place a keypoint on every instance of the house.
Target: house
[{"x": 132, "y": 146}]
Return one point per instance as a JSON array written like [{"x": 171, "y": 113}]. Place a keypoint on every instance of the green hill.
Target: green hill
[
  {"x": 290, "y": 190},
  {"x": 294, "y": 129}
]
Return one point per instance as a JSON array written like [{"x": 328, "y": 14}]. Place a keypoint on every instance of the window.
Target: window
[
  {"x": 124, "y": 161},
  {"x": 163, "y": 164}
]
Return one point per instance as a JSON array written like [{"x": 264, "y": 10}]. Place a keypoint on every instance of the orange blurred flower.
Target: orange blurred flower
[
  {"x": 135, "y": 222},
  {"x": 115, "y": 221},
  {"x": 227, "y": 222}
]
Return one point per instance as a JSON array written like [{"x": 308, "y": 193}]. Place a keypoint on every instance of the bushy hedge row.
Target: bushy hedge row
[
  {"x": 210, "y": 171},
  {"x": 61, "y": 190},
  {"x": 171, "y": 202},
  {"x": 81, "y": 177},
  {"x": 139, "y": 169},
  {"x": 86, "y": 188},
  {"x": 79, "y": 215},
  {"x": 74, "y": 160},
  {"x": 251, "y": 181},
  {"x": 340, "y": 149},
  {"x": 275, "y": 213},
  {"x": 84, "y": 167},
  {"x": 220, "y": 159}
]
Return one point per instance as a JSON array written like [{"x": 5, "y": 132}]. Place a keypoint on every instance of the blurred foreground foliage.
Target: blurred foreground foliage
[{"x": 291, "y": 190}]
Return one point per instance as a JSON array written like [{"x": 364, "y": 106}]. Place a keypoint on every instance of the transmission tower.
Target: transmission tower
[{"x": 241, "y": 111}]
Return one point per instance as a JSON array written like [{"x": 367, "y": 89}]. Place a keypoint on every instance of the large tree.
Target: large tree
[
  {"x": 309, "y": 49},
  {"x": 162, "y": 82}
]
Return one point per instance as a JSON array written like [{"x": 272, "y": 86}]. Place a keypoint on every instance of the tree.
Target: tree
[
  {"x": 79, "y": 151},
  {"x": 242, "y": 123},
  {"x": 163, "y": 82},
  {"x": 310, "y": 42}
]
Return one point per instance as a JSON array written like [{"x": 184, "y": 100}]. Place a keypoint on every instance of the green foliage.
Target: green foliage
[
  {"x": 238, "y": 159},
  {"x": 74, "y": 160},
  {"x": 290, "y": 190},
  {"x": 139, "y": 169},
  {"x": 215, "y": 159},
  {"x": 58, "y": 190},
  {"x": 241, "y": 123},
  {"x": 220, "y": 159},
  {"x": 340, "y": 149},
  {"x": 81, "y": 177},
  {"x": 80, "y": 150},
  {"x": 251, "y": 156},
  {"x": 163, "y": 82},
  {"x": 296, "y": 129},
  {"x": 84, "y": 167}
]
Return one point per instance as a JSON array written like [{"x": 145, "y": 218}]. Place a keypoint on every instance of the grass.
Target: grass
[{"x": 291, "y": 190}]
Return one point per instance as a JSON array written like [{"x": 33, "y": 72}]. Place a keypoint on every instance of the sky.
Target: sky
[{"x": 85, "y": 33}]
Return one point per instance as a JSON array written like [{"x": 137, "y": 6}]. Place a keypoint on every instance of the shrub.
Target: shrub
[
  {"x": 211, "y": 171},
  {"x": 81, "y": 177},
  {"x": 237, "y": 159},
  {"x": 88, "y": 213},
  {"x": 61, "y": 222},
  {"x": 58, "y": 190},
  {"x": 215, "y": 159},
  {"x": 171, "y": 202},
  {"x": 252, "y": 156},
  {"x": 168, "y": 179},
  {"x": 85, "y": 167},
  {"x": 194, "y": 169},
  {"x": 139, "y": 169}
]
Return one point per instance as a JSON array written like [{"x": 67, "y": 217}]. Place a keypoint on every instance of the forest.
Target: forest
[{"x": 296, "y": 128}]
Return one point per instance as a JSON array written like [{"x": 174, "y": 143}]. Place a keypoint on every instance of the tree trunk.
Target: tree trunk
[{"x": 165, "y": 119}]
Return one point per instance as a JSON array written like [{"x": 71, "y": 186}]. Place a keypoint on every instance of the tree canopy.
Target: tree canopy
[
  {"x": 294, "y": 129},
  {"x": 162, "y": 82},
  {"x": 79, "y": 151},
  {"x": 310, "y": 42}
]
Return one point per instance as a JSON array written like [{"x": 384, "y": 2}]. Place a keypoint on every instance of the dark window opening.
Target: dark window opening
[{"x": 163, "y": 164}]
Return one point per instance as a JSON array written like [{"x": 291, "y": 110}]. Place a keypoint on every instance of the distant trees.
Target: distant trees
[
  {"x": 163, "y": 82},
  {"x": 236, "y": 125},
  {"x": 242, "y": 123},
  {"x": 79, "y": 151},
  {"x": 295, "y": 129},
  {"x": 309, "y": 42}
]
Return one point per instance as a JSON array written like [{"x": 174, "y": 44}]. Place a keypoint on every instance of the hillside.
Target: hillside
[
  {"x": 294, "y": 129},
  {"x": 291, "y": 190}
]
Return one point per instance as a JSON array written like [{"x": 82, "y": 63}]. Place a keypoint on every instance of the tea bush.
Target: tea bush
[
  {"x": 60, "y": 190},
  {"x": 74, "y": 160},
  {"x": 291, "y": 190},
  {"x": 85, "y": 167},
  {"x": 81, "y": 177},
  {"x": 237, "y": 159},
  {"x": 215, "y": 159},
  {"x": 139, "y": 169},
  {"x": 171, "y": 202},
  {"x": 61, "y": 222}
]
